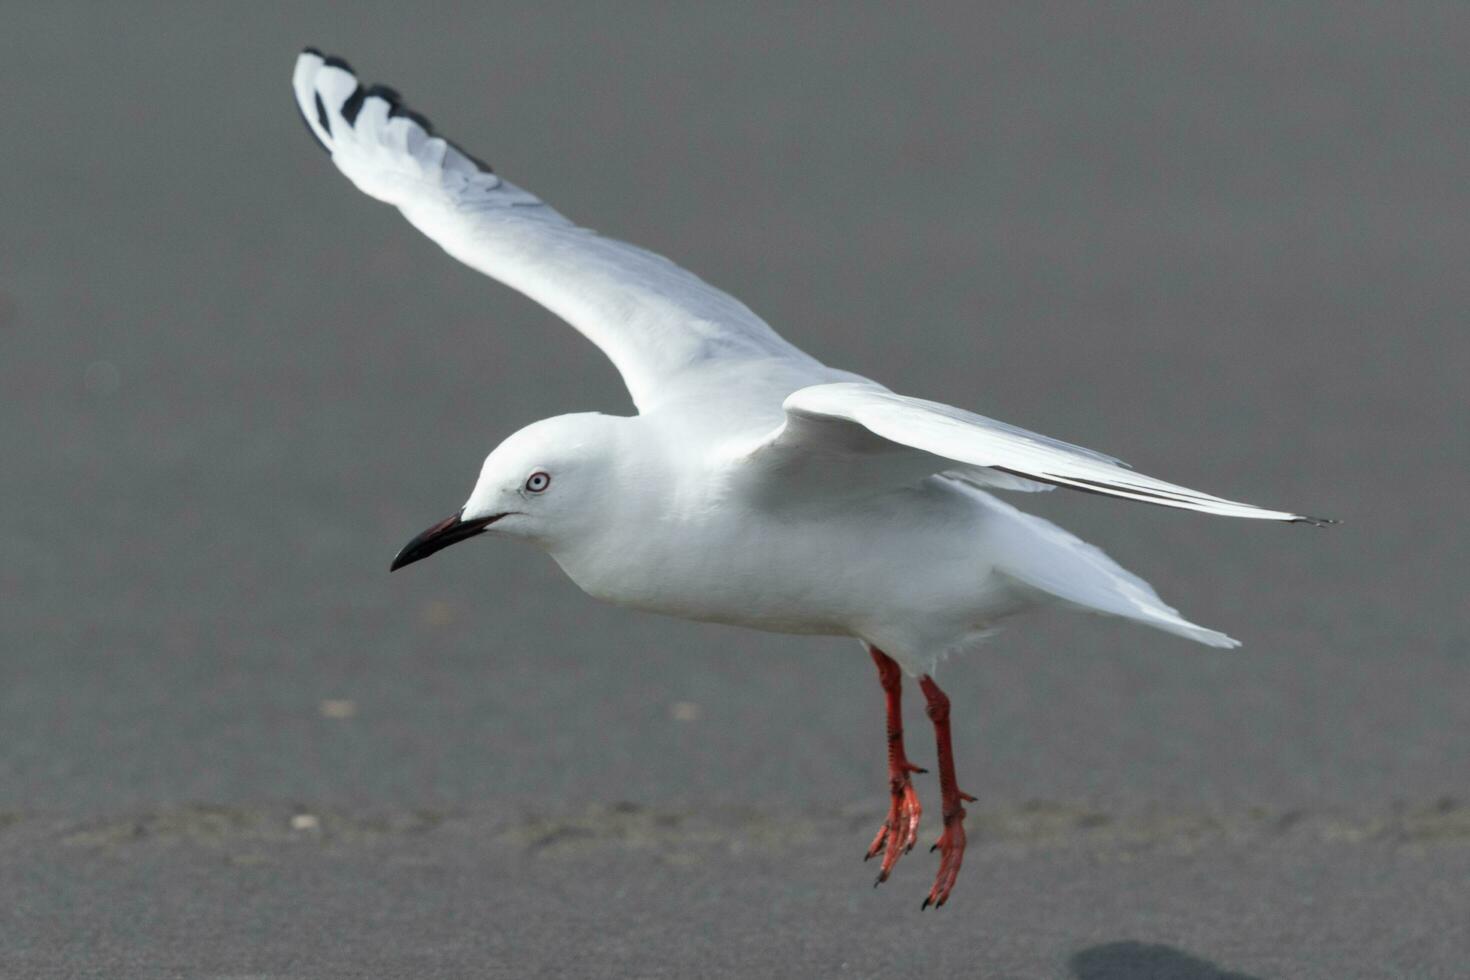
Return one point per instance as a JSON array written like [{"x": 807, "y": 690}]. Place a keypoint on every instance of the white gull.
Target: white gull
[{"x": 756, "y": 486}]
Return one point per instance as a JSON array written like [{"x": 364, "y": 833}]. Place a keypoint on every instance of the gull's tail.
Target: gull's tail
[{"x": 1043, "y": 558}]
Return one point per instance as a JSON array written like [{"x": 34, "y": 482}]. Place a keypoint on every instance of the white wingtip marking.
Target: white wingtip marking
[
  {"x": 308, "y": 63},
  {"x": 389, "y": 152}
]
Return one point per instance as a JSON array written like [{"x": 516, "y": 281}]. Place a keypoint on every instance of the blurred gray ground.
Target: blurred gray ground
[{"x": 1226, "y": 243}]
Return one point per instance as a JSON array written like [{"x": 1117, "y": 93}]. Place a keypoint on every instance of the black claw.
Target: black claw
[
  {"x": 933, "y": 848},
  {"x": 920, "y": 769},
  {"x": 925, "y": 905}
]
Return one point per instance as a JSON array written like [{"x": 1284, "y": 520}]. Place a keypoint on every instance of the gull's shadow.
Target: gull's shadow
[{"x": 1146, "y": 961}]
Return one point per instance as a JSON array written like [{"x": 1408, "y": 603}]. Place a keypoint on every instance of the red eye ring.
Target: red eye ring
[{"x": 538, "y": 482}]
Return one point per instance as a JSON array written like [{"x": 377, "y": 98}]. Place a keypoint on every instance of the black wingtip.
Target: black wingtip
[
  {"x": 321, "y": 113},
  {"x": 353, "y": 105},
  {"x": 1316, "y": 521},
  {"x": 484, "y": 167},
  {"x": 396, "y": 109}
]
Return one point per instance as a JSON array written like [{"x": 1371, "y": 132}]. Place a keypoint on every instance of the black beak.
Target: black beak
[{"x": 449, "y": 531}]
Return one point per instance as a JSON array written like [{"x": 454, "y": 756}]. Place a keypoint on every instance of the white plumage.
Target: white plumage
[{"x": 756, "y": 485}]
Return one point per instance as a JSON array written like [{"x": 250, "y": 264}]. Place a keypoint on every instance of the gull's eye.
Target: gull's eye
[{"x": 538, "y": 481}]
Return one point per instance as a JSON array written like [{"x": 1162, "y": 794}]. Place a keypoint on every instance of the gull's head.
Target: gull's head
[{"x": 545, "y": 483}]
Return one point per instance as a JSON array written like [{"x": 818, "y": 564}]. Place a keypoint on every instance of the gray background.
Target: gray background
[{"x": 1227, "y": 243}]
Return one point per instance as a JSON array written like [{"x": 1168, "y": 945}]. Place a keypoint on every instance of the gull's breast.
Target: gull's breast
[{"x": 819, "y": 570}]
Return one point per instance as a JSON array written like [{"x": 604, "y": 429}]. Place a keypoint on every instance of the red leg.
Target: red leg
[
  {"x": 900, "y": 831},
  {"x": 951, "y": 843}
]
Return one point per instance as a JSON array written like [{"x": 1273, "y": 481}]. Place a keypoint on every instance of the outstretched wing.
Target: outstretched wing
[
  {"x": 653, "y": 319},
  {"x": 866, "y": 435}
]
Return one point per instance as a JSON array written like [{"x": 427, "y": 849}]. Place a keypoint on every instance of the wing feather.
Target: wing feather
[
  {"x": 653, "y": 319},
  {"x": 868, "y": 432}
]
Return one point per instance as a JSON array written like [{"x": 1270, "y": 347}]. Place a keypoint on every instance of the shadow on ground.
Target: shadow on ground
[{"x": 1130, "y": 960}]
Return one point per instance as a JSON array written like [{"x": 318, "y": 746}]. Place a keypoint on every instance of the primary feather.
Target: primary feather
[{"x": 654, "y": 320}]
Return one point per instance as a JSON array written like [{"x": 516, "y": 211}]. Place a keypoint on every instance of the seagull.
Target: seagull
[{"x": 755, "y": 486}]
